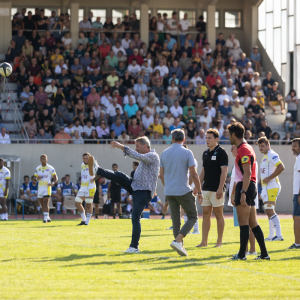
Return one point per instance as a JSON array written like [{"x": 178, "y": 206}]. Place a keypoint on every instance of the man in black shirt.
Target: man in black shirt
[
  {"x": 33, "y": 87},
  {"x": 45, "y": 117},
  {"x": 114, "y": 193},
  {"x": 28, "y": 24},
  {"x": 22, "y": 81},
  {"x": 268, "y": 83},
  {"x": 201, "y": 25},
  {"x": 29, "y": 106},
  {"x": 265, "y": 128},
  {"x": 108, "y": 27},
  {"x": 213, "y": 174},
  {"x": 42, "y": 21},
  {"x": 275, "y": 97},
  {"x": 135, "y": 164}
]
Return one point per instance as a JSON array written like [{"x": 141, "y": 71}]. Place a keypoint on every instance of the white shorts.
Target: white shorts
[
  {"x": 33, "y": 198},
  {"x": 270, "y": 194},
  {"x": 2, "y": 193},
  {"x": 44, "y": 191},
  {"x": 86, "y": 192}
]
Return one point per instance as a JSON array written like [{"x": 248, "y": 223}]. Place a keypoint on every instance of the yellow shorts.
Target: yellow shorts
[
  {"x": 211, "y": 200},
  {"x": 270, "y": 194}
]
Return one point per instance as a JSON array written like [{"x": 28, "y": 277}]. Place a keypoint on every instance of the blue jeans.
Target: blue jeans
[
  {"x": 287, "y": 127},
  {"x": 62, "y": 121},
  {"x": 19, "y": 90},
  {"x": 140, "y": 199},
  {"x": 266, "y": 91}
]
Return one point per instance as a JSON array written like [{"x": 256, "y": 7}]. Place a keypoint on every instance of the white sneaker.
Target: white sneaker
[
  {"x": 277, "y": 238},
  {"x": 196, "y": 231},
  {"x": 178, "y": 247},
  {"x": 251, "y": 253},
  {"x": 132, "y": 250},
  {"x": 93, "y": 166},
  {"x": 268, "y": 239}
]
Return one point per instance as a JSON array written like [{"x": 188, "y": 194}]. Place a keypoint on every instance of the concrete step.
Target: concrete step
[{"x": 13, "y": 95}]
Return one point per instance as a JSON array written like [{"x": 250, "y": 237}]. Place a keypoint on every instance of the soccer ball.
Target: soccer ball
[{"x": 5, "y": 69}]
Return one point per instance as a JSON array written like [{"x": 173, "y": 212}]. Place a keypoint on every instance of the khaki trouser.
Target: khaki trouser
[{"x": 188, "y": 203}]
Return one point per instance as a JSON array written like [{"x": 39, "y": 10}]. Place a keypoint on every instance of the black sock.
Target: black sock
[
  {"x": 244, "y": 237},
  {"x": 259, "y": 235},
  {"x": 164, "y": 215}
]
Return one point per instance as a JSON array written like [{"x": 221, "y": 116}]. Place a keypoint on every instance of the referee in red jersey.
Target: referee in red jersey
[{"x": 245, "y": 192}]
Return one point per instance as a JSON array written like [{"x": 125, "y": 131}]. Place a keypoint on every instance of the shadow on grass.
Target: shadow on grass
[{"x": 71, "y": 257}]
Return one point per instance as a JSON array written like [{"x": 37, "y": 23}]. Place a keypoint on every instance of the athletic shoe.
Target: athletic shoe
[
  {"x": 59, "y": 212},
  {"x": 170, "y": 228},
  {"x": 132, "y": 250},
  {"x": 237, "y": 257},
  {"x": 49, "y": 220},
  {"x": 196, "y": 231},
  {"x": 277, "y": 238},
  {"x": 162, "y": 218},
  {"x": 268, "y": 239},
  {"x": 294, "y": 246},
  {"x": 44, "y": 221},
  {"x": 82, "y": 223},
  {"x": 260, "y": 257},
  {"x": 178, "y": 247},
  {"x": 93, "y": 166},
  {"x": 251, "y": 253},
  {"x": 96, "y": 217}
]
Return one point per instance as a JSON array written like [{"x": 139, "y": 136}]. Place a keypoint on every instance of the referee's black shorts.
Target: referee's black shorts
[
  {"x": 250, "y": 194},
  {"x": 115, "y": 197},
  {"x": 96, "y": 197}
]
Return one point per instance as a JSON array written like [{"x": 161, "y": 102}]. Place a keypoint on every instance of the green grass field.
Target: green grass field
[{"x": 59, "y": 260}]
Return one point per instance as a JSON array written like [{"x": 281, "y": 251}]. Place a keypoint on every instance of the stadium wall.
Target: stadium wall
[{"x": 67, "y": 159}]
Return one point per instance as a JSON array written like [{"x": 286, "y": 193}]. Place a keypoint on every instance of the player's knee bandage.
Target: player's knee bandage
[
  {"x": 88, "y": 200},
  {"x": 78, "y": 199},
  {"x": 271, "y": 206}
]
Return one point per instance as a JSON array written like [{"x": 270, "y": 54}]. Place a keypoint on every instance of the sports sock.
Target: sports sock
[
  {"x": 1, "y": 216},
  {"x": 185, "y": 218},
  {"x": 259, "y": 235},
  {"x": 244, "y": 237},
  {"x": 46, "y": 216},
  {"x": 38, "y": 208},
  {"x": 88, "y": 217},
  {"x": 58, "y": 206},
  {"x": 196, "y": 226},
  {"x": 120, "y": 216},
  {"x": 271, "y": 229},
  {"x": 129, "y": 207},
  {"x": 83, "y": 217},
  {"x": 164, "y": 215},
  {"x": 6, "y": 216},
  {"x": 297, "y": 244},
  {"x": 277, "y": 226}
]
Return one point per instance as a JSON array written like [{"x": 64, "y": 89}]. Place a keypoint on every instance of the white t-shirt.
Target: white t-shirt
[
  {"x": 296, "y": 177},
  {"x": 229, "y": 43},
  {"x": 221, "y": 98},
  {"x": 208, "y": 119},
  {"x": 200, "y": 140},
  {"x": 88, "y": 130},
  {"x": 162, "y": 69},
  {"x": 86, "y": 178},
  {"x": 253, "y": 83},
  {"x": 147, "y": 122},
  {"x": 79, "y": 129},
  {"x": 111, "y": 110},
  {"x": 185, "y": 24},
  {"x": 57, "y": 69},
  {"x": 4, "y": 175},
  {"x": 172, "y": 25},
  {"x": 194, "y": 80},
  {"x": 46, "y": 173},
  {"x": 176, "y": 111},
  {"x": 160, "y": 26},
  {"x": 68, "y": 130},
  {"x": 85, "y": 25},
  {"x": 268, "y": 165},
  {"x": 246, "y": 101},
  {"x": 105, "y": 101},
  {"x": 116, "y": 50},
  {"x": 66, "y": 41},
  {"x": 126, "y": 99},
  {"x": 134, "y": 69},
  {"x": 125, "y": 44},
  {"x": 211, "y": 112}
]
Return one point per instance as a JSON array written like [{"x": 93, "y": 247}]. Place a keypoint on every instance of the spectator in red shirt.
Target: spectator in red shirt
[
  {"x": 139, "y": 59},
  {"x": 62, "y": 137},
  {"x": 134, "y": 129},
  {"x": 197, "y": 49},
  {"x": 49, "y": 40},
  {"x": 104, "y": 50},
  {"x": 90, "y": 100},
  {"x": 210, "y": 80},
  {"x": 34, "y": 68}
]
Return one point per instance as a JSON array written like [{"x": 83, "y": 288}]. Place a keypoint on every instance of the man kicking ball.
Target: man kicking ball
[
  {"x": 142, "y": 186},
  {"x": 270, "y": 168},
  {"x": 86, "y": 192}
]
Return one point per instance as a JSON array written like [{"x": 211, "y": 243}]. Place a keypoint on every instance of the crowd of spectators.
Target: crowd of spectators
[{"x": 116, "y": 87}]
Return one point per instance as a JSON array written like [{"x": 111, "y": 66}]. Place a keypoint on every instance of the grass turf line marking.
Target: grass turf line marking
[{"x": 174, "y": 259}]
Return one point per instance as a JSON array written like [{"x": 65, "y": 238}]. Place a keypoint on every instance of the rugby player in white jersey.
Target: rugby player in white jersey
[
  {"x": 47, "y": 178},
  {"x": 86, "y": 192},
  {"x": 270, "y": 168},
  {"x": 4, "y": 184}
]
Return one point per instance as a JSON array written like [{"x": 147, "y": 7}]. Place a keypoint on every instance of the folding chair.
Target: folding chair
[{"x": 69, "y": 203}]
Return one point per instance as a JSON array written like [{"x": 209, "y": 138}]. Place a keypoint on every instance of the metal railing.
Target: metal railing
[{"x": 19, "y": 120}]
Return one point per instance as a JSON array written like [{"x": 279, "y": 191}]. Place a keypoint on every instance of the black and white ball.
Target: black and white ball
[{"x": 5, "y": 69}]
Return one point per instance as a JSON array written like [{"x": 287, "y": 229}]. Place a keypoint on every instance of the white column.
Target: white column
[
  {"x": 210, "y": 25},
  {"x": 74, "y": 24},
  {"x": 5, "y": 25},
  {"x": 144, "y": 23}
]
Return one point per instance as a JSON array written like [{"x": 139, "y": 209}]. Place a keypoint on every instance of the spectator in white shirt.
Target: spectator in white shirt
[
  {"x": 176, "y": 110},
  {"x": 134, "y": 69},
  {"x": 51, "y": 89},
  {"x": 117, "y": 47},
  {"x": 206, "y": 50},
  {"x": 88, "y": 128},
  {"x": 77, "y": 127},
  {"x": 4, "y": 137},
  {"x": 69, "y": 128},
  {"x": 138, "y": 87},
  {"x": 125, "y": 42},
  {"x": 195, "y": 79},
  {"x": 205, "y": 117},
  {"x": 77, "y": 139},
  {"x": 200, "y": 138},
  {"x": 184, "y": 26},
  {"x": 230, "y": 41},
  {"x": 85, "y": 24},
  {"x": 147, "y": 119},
  {"x": 129, "y": 95},
  {"x": 211, "y": 109},
  {"x": 255, "y": 81},
  {"x": 163, "y": 70},
  {"x": 223, "y": 96},
  {"x": 111, "y": 110},
  {"x": 142, "y": 100},
  {"x": 106, "y": 100},
  {"x": 61, "y": 65}
]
